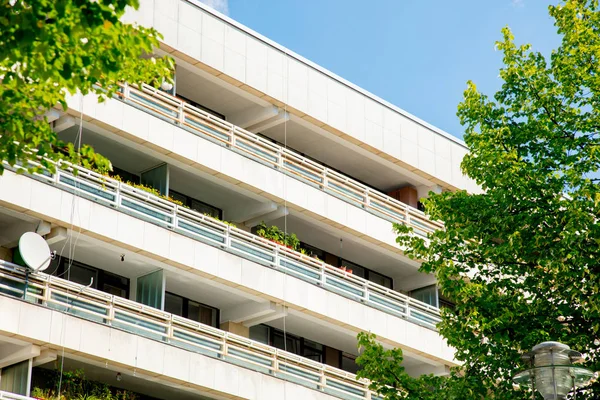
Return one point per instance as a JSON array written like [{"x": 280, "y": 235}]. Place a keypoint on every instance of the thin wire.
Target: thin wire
[{"x": 72, "y": 244}]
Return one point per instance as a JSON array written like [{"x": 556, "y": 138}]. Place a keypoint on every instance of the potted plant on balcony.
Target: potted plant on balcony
[
  {"x": 346, "y": 269},
  {"x": 276, "y": 235}
]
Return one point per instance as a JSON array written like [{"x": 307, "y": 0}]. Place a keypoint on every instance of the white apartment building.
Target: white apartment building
[{"x": 185, "y": 299}]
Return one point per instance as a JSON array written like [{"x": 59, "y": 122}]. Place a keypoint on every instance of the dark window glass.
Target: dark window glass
[
  {"x": 312, "y": 350},
  {"x": 178, "y": 196},
  {"x": 355, "y": 268},
  {"x": 190, "y": 309},
  {"x": 349, "y": 363},
  {"x": 114, "y": 284},
  {"x": 125, "y": 175},
  {"x": 313, "y": 251},
  {"x": 202, "y": 314},
  {"x": 445, "y": 303},
  {"x": 81, "y": 274},
  {"x": 174, "y": 304},
  {"x": 204, "y": 208},
  {"x": 197, "y": 205},
  {"x": 260, "y": 333},
  {"x": 293, "y": 342},
  {"x": 380, "y": 279}
]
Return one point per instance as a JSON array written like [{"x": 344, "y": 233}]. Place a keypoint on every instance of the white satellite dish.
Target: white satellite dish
[{"x": 34, "y": 251}]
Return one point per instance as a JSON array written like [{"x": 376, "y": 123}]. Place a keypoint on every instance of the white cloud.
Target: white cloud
[
  {"x": 518, "y": 3},
  {"x": 221, "y": 6}
]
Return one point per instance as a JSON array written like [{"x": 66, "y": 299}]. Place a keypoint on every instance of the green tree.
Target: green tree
[
  {"x": 530, "y": 243},
  {"x": 49, "y": 48}
]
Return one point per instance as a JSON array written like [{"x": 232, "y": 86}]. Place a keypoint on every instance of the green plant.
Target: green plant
[
  {"x": 529, "y": 240},
  {"x": 50, "y": 49},
  {"x": 220, "y": 220},
  {"x": 74, "y": 386},
  {"x": 143, "y": 187},
  {"x": 274, "y": 234}
]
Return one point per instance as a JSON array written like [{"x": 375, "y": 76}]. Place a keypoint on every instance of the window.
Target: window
[
  {"x": 356, "y": 269},
  {"x": 126, "y": 176},
  {"x": 303, "y": 347},
  {"x": 14, "y": 378},
  {"x": 115, "y": 284},
  {"x": 427, "y": 294},
  {"x": 260, "y": 333},
  {"x": 312, "y": 350},
  {"x": 83, "y": 274},
  {"x": 445, "y": 302},
  {"x": 190, "y": 309},
  {"x": 293, "y": 342},
  {"x": 380, "y": 279},
  {"x": 368, "y": 274},
  {"x": 201, "y": 313},
  {"x": 313, "y": 251},
  {"x": 174, "y": 304},
  {"x": 197, "y": 205},
  {"x": 178, "y": 196},
  {"x": 349, "y": 363}
]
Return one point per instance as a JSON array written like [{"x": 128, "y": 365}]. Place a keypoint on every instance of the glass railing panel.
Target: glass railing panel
[
  {"x": 94, "y": 192},
  {"x": 139, "y": 326},
  {"x": 145, "y": 212},
  {"x": 201, "y": 232},
  {"x": 299, "y": 376},
  {"x": 252, "y": 251},
  {"x": 298, "y": 270},
  {"x": 347, "y": 288},
  {"x": 212, "y": 133},
  {"x": 305, "y": 174}
]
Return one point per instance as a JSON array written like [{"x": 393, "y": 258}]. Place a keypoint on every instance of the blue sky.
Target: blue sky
[{"x": 416, "y": 54}]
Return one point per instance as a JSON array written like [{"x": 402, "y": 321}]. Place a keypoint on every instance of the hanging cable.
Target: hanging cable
[{"x": 72, "y": 246}]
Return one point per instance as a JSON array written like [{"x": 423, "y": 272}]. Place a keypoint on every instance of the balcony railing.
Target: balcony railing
[
  {"x": 208, "y": 126},
  {"x": 13, "y": 396},
  {"x": 144, "y": 205},
  {"x": 139, "y": 319}
]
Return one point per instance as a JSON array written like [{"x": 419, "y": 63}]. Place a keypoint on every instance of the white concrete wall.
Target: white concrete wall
[
  {"x": 54, "y": 205},
  {"x": 144, "y": 357},
  {"x": 252, "y": 60},
  {"x": 207, "y": 156}
]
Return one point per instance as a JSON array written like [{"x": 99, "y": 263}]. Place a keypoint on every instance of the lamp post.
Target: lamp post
[{"x": 552, "y": 372}]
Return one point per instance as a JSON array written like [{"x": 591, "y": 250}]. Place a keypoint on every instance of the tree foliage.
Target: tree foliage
[
  {"x": 521, "y": 259},
  {"x": 50, "y": 48}
]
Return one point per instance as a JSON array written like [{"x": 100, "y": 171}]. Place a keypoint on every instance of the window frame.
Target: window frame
[{"x": 185, "y": 308}]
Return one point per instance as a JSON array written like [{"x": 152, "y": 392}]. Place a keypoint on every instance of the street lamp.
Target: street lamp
[{"x": 552, "y": 372}]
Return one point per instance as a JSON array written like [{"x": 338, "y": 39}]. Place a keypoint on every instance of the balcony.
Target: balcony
[
  {"x": 156, "y": 210},
  {"x": 139, "y": 319},
  {"x": 255, "y": 147}
]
